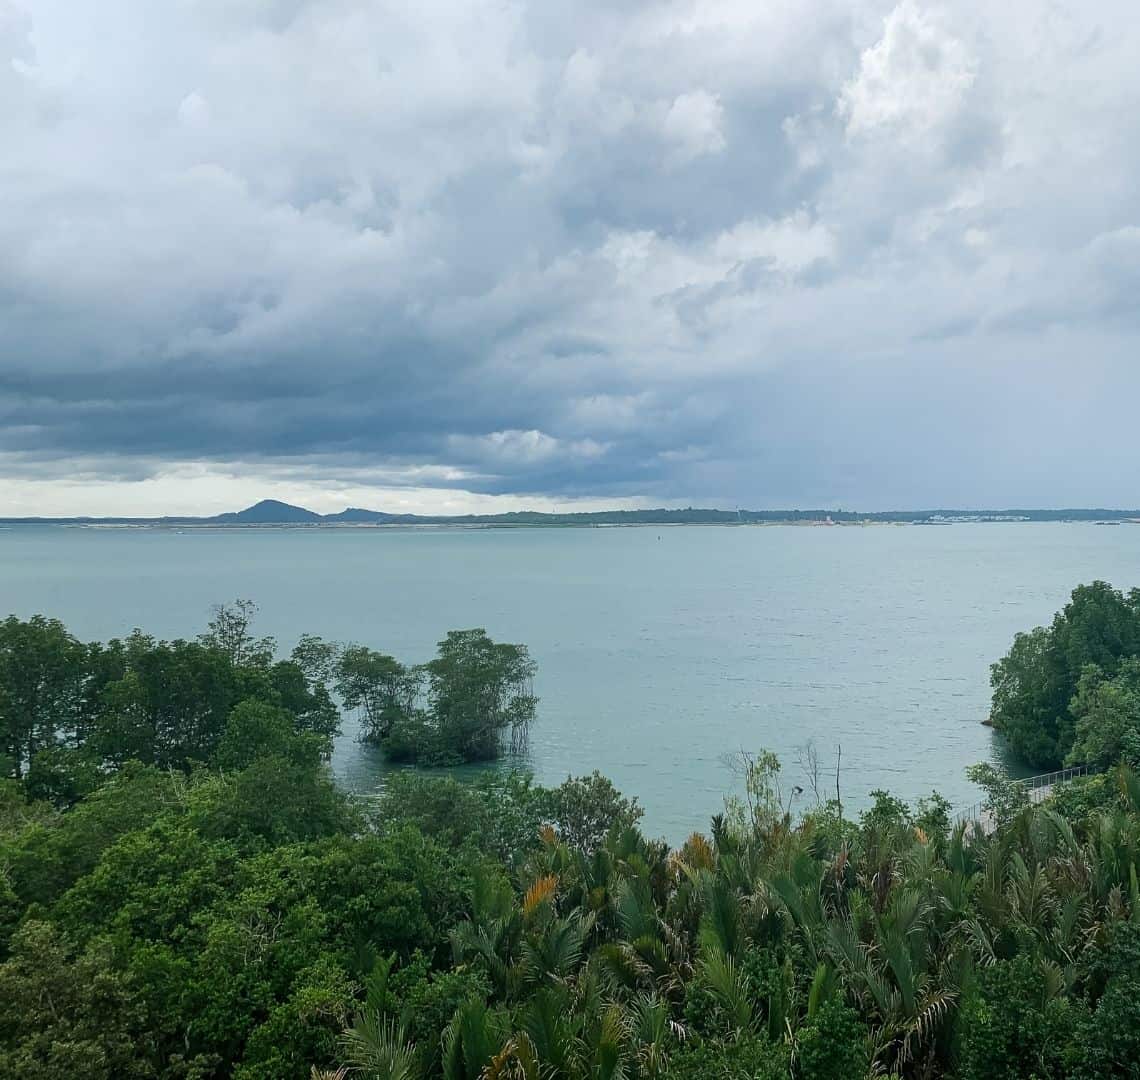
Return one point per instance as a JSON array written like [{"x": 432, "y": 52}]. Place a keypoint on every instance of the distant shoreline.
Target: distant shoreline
[
  {"x": 200, "y": 525},
  {"x": 271, "y": 513}
]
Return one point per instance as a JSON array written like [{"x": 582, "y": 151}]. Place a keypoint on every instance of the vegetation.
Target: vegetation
[
  {"x": 1067, "y": 693},
  {"x": 212, "y": 906},
  {"x": 469, "y": 704},
  {"x": 70, "y": 711}
]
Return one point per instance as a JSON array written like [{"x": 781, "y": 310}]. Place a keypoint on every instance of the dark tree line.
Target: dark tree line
[{"x": 72, "y": 710}]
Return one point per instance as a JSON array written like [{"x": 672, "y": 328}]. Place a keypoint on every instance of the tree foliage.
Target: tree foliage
[
  {"x": 41, "y": 688},
  {"x": 220, "y": 908},
  {"x": 470, "y": 703},
  {"x": 1036, "y": 684},
  {"x": 71, "y": 712},
  {"x": 1106, "y": 711}
]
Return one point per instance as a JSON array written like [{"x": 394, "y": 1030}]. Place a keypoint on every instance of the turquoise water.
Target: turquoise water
[{"x": 660, "y": 651}]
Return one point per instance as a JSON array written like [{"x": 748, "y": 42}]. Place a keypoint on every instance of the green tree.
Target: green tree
[
  {"x": 1107, "y": 715},
  {"x": 1030, "y": 697},
  {"x": 1034, "y": 684},
  {"x": 303, "y": 694},
  {"x": 230, "y": 630},
  {"x": 64, "y": 1015},
  {"x": 274, "y": 800},
  {"x": 496, "y": 814},
  {"x": 480, "y": 702},
  {"x": 1015, "y": 1026},
  {"x": 762, "y": 806},
  {"x": 380, "y": 687},
  {"x": 480, "y": 690},
  {"x": 63, "y": 775},
  {"x": 50, "y": 854},
  {"x": 256, "y": 729},
  {"x": 585, "y": 808},
  {"x": 42, "y": 674},
  {"x": 1005, "y": 798},
  {"x": 1109, "y": 1037},
  {"x": 171, "y": 707},
  {"x": 303, "y": 1032},
  {"x": 316, "y": 658},
  {"x": 833, "y": 1045},
  {"x": 173, "y": 702},
  {"x": 747, "y": 1058}
]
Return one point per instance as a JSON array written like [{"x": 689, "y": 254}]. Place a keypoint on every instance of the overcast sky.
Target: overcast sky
[{"x": 444, "y": 255}]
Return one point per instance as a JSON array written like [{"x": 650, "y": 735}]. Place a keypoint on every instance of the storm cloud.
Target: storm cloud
[{"x": 876, "y": 254}]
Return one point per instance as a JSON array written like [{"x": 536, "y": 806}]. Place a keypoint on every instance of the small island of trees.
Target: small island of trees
[
  {"x": 471, "y": 703},
  {"x": 185, "y": 894}
]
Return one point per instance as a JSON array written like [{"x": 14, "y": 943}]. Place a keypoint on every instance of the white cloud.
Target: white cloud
[
  {"x": 792, "y": 243},
  {"x": 915, "y": 78},
  {"x": 514, "y": 448},
  {"x": 694, "y": 125}
]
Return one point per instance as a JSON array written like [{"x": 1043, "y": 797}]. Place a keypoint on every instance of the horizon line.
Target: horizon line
[{"x": 245, "y": 514}]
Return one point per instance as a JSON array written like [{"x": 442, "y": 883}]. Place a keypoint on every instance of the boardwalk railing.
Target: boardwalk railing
[{"x": 1038, "y": 789}]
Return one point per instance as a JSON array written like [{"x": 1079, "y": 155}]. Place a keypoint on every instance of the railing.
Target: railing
[
  {"x": 970, "y": 814},
  {"x": 1048, "y": 780},
  {"x": 1039, "y": 788}
]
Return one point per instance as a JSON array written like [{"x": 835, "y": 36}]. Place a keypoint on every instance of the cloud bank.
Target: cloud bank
[{"x": 862, "y": 254}]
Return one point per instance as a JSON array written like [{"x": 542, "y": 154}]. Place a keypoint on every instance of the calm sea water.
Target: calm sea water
[{"x": 660, "y": 651}]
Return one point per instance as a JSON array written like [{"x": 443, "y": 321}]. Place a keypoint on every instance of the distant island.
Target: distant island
[{"x": 274, "y": 512}]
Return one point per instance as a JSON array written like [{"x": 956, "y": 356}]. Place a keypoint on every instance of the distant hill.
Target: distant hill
[
  {"x": 355, "y": 514},
  {"x": 273, "y": 512},
  {"x": 268, "y": 512}
]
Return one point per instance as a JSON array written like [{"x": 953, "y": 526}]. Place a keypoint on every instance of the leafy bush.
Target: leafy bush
[
  {"x": 1014, "y": 1026},
  {"x": 584, "y": 809},
  {"x": 497, "y": 814},
  {"x": 747, "y": 1058},
  {"x": 833, "y": 1045}
]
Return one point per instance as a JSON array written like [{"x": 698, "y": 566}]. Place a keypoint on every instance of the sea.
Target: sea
[{"x": 663, "y": 653}]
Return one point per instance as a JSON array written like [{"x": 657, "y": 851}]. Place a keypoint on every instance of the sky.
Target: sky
[{"x": 453, "y": 256}]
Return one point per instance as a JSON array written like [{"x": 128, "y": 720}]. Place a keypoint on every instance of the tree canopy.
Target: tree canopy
[
  {"x": 219, "y": 908},
  {"x": 1036, "y": 685},
  {"x": 474, "y": 701},
  {"x": 68, "y": 708}
]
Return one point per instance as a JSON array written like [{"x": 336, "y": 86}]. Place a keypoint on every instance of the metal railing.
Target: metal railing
[
  {"x": 1061, "y": 776},
  {"x": 970, "y": 814},
  {"x": 1039, "y": 788}
]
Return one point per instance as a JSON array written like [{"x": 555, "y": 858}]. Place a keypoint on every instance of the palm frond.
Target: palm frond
[
  {"x": 517, "y": 1060},
  {"x": 376, "y": 1047},
  {"x": 727, "y": 984},
  {"x": 540, "y": 893}
]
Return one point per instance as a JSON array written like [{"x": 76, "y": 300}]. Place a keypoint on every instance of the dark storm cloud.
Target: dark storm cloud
[{"x": 717, "y": 251}]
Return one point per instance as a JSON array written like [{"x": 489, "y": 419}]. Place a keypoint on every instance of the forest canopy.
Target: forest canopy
[{"x": 185, "y": 894}]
